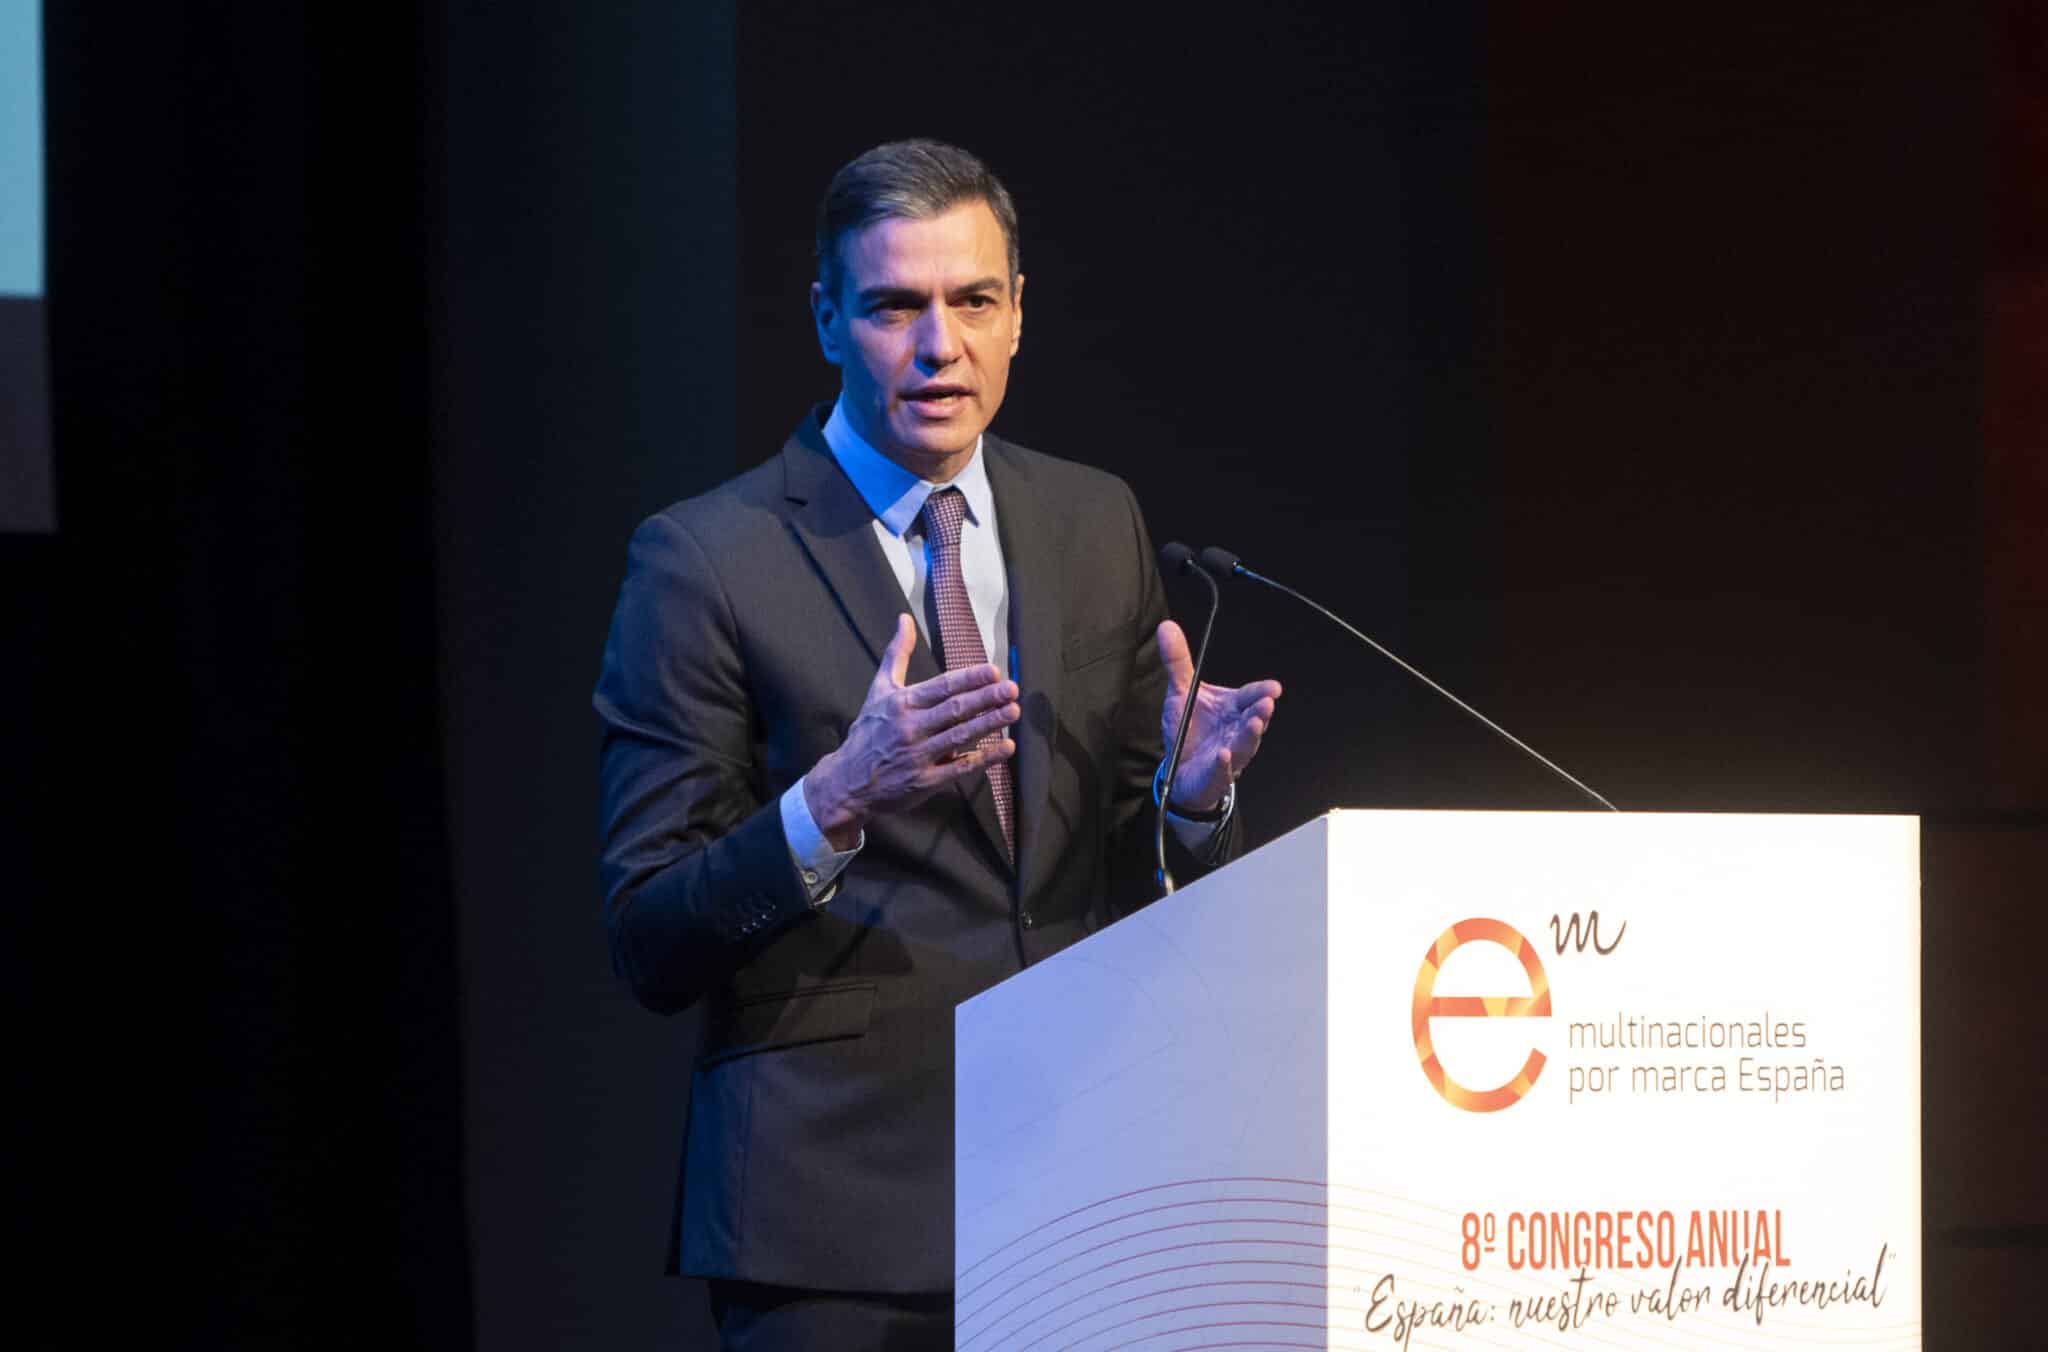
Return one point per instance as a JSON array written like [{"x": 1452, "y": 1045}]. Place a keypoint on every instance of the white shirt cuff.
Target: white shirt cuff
[{"x": 817, "y": 863}]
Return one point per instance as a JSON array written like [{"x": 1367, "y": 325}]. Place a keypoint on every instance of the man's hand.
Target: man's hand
[
  {"x": 909, "y": 741},
  {"x": 1224, "y": 733}
]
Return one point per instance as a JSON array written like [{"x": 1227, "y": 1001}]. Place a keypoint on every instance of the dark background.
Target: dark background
[
  {"x": 1667, "y": 383},
  {"x": 26, "y": 492}
]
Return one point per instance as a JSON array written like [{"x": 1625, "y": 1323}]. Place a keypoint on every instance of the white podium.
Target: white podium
[{"x": 1371, "y": 1086}]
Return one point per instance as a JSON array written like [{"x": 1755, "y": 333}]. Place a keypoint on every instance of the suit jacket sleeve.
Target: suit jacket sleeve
[{"x": 695, "y": 868}]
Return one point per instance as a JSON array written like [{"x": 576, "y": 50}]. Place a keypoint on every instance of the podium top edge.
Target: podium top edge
[{"x": 1595, "y": 813}]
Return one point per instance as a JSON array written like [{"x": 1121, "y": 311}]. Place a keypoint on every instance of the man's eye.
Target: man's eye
[{"x": 979, "y": 302}]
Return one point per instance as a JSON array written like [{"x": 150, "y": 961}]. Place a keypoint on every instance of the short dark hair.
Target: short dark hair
[{"x": 907, "y": 180}]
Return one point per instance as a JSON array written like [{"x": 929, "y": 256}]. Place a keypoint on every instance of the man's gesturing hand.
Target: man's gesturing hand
[
  {"x": 1224, "y": 734},
  {"x": 908, "y": 741}
]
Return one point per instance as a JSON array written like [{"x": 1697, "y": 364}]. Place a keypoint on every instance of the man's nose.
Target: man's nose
[{"x": 938, "y": 341}]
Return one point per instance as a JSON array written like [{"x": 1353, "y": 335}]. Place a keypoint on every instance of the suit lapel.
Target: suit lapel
[
  {"x": 1025, "y": 523},
  {"x": 837, "y": 530}
]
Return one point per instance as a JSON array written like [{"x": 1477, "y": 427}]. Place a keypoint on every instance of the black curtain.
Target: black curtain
[{"x": 240, "y": 951}]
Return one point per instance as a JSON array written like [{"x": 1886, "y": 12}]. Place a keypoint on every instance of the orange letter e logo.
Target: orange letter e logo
[{"x": 1428, "y": 1006}]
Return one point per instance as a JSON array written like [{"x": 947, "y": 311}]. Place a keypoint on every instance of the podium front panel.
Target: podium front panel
[{"x": 1465, "y": 1079}]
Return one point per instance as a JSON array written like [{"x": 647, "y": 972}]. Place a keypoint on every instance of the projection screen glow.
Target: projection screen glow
[{"x": 27, "y": 498}]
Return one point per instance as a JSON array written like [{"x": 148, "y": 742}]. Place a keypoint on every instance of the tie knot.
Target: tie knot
[{"x": 943, "y": 512}]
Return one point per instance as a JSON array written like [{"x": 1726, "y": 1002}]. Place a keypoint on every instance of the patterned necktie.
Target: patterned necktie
[{"x": 959, "y": 635}]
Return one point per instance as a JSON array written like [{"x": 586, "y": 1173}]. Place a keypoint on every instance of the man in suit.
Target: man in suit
[{"x": 881, "y": 725}]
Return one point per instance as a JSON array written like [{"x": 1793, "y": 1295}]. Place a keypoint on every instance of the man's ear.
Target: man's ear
[
  {"x": 825, "y": 314},
  {"x": 1017, "y": 313}
]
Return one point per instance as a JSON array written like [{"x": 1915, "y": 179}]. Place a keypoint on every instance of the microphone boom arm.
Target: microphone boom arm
[
  {"x": 1180, "y": 558},
  {"x": 1216, "y": 559}
]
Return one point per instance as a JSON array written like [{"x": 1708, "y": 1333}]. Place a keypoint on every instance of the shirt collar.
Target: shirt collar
[{"x": 893, "y": 493}]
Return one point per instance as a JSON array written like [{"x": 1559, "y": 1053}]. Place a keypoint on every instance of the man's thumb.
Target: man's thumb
[
  {"x": 1173, "y": 654},
  {"x": 896, "y": 657}
]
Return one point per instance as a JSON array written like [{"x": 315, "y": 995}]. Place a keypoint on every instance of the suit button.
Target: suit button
[
  {"x": 811, "y": 876},
  {"x": 1028, "y": 920}
]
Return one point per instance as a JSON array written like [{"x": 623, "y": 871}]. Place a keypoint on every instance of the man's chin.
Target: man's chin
[{"x": 934, "y": 445}]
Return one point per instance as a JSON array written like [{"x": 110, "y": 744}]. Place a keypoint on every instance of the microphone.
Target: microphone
[
  {"x": 1222, "y": 563},
  {"x": 1178, "y": 558}
]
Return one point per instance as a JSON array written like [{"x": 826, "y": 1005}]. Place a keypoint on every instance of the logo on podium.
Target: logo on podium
[{"x": 1429, "y": 1005}]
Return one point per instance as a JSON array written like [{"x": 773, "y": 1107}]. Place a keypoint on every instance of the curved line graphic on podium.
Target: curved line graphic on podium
[{"x": 1084, "y": 1279}]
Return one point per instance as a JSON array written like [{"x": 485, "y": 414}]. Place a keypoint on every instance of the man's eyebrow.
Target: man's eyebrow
[
  {"x": 881, "y": 295},
  {"x": 876, "y": 295}
]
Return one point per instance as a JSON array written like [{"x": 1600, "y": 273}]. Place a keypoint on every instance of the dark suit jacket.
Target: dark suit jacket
[{"x": 819, "y": 1150}]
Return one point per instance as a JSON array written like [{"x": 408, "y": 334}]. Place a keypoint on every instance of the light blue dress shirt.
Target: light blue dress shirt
[{"x": 896, "y": 497}]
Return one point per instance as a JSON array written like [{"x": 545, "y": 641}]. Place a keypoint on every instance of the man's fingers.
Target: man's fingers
[
  {"x": 960, "y": 708},
  {"x": 1173, "y": 652},
  {"x": 944, "y": 686},
  {"x": 1258, "y": 690},
  {"x": 977, "y": 757},
  {"x": 963, "y": 736},
  {"x": 1235, "y": 720},
  {"x": 1242, "y": 698}
]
